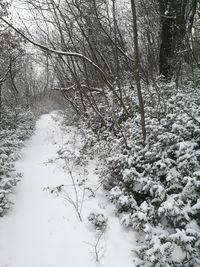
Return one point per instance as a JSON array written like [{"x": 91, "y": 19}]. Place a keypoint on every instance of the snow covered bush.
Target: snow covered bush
[
  {"x": 156, "y": 187},
  {"x": 14, "y": 129},
  {"x": 98, "y": 220}
]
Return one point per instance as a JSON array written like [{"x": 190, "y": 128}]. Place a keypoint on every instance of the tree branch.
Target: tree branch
[
  {"x": 63, "y": 53},
  {"x": 70, "y": 54}
]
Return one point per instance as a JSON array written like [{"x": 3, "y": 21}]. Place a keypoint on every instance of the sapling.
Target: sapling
[{"x": 70, "y": 160}]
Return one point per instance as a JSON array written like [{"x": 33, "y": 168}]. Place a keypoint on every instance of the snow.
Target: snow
[{"x": 43, "y": 229}]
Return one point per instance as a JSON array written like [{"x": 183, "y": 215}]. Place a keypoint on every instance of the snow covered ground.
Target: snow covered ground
[{"x": 43, "y": 229}]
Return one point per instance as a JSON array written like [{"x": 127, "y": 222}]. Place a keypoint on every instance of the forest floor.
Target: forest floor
[{"x": 43, "y": 229}]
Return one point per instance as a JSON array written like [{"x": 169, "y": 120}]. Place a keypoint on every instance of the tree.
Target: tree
[
  {"x": 136, "y": 71},
  {"x": 177, "y": 17},
  {"x": 10, "y": 50}
]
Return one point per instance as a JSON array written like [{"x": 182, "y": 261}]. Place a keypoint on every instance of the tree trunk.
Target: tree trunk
[
  {"x": 137, "y": 72},
  {"x": 176, "y": 20},
  {"x": 0, "y": 101},
  {"x": 166, "y": 47}
]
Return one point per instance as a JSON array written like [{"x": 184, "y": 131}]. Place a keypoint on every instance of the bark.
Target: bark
[
  {"x": 0, "y": 101},
  {"x": 137, "y": 72},
  {"x": 1, "y": 84},
  {"x": 176, "y": 22}
]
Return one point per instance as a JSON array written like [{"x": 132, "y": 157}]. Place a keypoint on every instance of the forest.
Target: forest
[{"x": 126, "y": 74}]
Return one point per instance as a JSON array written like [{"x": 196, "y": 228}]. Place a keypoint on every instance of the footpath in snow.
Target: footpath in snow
[{"x": 42, "y": 229}]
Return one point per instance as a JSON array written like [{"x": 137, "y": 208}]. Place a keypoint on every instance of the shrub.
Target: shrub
[
  {"x": 156, "y": 188},
  {"x": 13, "y": 132}
]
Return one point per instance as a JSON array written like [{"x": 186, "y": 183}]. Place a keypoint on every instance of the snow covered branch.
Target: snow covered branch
[{"x": 58, "y": 52}]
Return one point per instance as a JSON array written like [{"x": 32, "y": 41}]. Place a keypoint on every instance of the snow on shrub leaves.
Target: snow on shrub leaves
[
  {"x": 14, "y": 129},
  {"x": 98, "y": 220},
  {"x": 156, "y": 188}
]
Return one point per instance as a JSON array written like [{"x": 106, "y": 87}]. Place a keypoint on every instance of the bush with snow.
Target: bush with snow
[
  {"x": 98, "y": 220},
  {"x": 156, "y": 188},
  {"x": 14, "y": 129}
]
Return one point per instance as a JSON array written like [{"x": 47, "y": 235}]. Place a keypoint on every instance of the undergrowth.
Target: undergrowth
[
  {"x": 15, "y": 128},
  {"x": 156, "y": 187}
]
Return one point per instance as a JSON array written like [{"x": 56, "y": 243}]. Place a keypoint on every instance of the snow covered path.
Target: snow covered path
[{"x": 42, "y": 229}]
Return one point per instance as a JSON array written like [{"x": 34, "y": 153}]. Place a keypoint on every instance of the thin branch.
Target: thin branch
[
  {"x": 48, "y": 49},
  {"x": 70, "y": 54}
]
